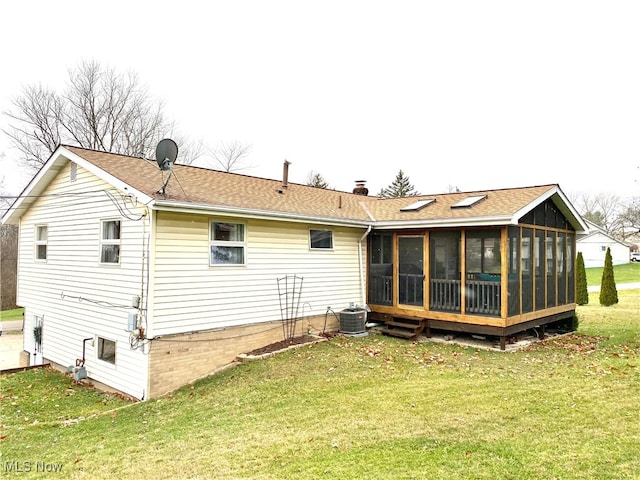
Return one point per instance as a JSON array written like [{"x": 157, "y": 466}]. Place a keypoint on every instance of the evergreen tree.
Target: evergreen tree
[
  {"x": 582, "y": 293},
  {"x": 608, "y": 291},
  {"x": 317, "y": 180},
  {"x": 401, "y": 187}
]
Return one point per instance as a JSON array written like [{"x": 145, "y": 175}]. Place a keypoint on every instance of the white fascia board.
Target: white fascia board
[
  {"x": 34, "y": 188},
  {"x": 226, "y": 211},
  {"x": 601, "y": 233}
]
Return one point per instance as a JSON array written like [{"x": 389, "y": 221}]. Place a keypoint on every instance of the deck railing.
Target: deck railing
[
  {"x": 381, "y": 289},
  {"x": 411, "y": 289},
  {"x": 482, "y": 297},
  {"x": 445, "y": 295}
]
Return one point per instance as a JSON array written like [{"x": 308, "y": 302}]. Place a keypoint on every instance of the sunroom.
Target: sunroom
[{"x": 476, "y": 278}]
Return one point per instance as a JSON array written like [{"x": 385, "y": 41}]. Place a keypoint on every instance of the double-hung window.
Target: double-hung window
[
  {"x": 110, "y": 241},
  {"x": 227, "y": 243},
  {"x": 42, "y": 234},
  {"x": 321, "y": 239}
]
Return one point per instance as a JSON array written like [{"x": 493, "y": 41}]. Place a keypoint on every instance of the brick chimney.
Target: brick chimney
[{"x": 360, "y": 188}]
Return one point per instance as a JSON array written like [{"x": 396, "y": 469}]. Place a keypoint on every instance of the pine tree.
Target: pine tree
[
  {"x": 317, "y": 180},
  {"x": 582, "y": 293},
  {"x": 401, "y": 187},
  {"x": 608, "y": 291}
]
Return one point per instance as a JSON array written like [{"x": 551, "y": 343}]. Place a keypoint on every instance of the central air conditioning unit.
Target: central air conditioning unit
[{"x": 353, "y": 321}]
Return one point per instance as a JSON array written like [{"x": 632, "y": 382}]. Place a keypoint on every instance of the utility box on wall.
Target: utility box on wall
[
  {"x": 132, "y": 322},
  {"x": 353, "y": 321}
]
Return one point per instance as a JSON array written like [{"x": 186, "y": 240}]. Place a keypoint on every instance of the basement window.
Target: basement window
[
  {"x": 227, "y": 243},
  {"x": 42, "y": 234},
  {"x": 321, "y": 239},
  {"x": 110, "y": 241},
  {"x": 107, "y": 350}
]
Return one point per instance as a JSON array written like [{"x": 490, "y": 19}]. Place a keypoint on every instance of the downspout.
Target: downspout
[{"x": 362, "y": 273}]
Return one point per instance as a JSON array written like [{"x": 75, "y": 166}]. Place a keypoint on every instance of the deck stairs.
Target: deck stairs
[{"x": 409, "y": 328}]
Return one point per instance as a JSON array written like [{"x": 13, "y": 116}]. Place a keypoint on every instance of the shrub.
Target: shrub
[
  {"x": 608, "y": 291},
  {"x": 582, "y": 294}
]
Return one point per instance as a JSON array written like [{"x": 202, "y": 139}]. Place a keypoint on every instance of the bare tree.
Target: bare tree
[
  {"x": 8, "y": 266},
  {"x": 5, "y": 198},
  {"x": 99, "y": 109},
  {"x": 230, "y": 156},
  {"x": 630, "y": 218},
  {"x": 603, "y": 209},
  {"x": 8, "y": 253}
]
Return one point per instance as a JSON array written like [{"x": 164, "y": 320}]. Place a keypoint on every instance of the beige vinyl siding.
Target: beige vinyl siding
[
  {"x": 78, "y": 297},
  {"x": 190, "y": 295}
]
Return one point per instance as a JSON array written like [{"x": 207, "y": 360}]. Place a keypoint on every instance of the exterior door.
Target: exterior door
[{"x": 411, "y": 270}]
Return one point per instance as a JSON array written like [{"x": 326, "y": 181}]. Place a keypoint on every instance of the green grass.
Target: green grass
[
  {"x": 624, "y": 273},
  {"x": 353, "y": 408},
  {"x": 15, "y": 314}
]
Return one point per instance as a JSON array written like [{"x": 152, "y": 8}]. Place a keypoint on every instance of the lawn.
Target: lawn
[
  {"x": 353, "y": 408},
  {"x": 624, "y": 273},
  {"x": 15, "y": 314}
]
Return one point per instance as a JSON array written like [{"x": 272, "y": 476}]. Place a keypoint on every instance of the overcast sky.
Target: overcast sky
[{"x": 468, "y": 94}]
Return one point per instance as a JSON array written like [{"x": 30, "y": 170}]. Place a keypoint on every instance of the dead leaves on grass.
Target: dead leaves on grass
[
  {"x": 602, "y": 359},
  {"x": 550, "y": 357}
]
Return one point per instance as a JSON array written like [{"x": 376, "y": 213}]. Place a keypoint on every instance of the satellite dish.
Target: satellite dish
[{"x": 166, "y": 153}]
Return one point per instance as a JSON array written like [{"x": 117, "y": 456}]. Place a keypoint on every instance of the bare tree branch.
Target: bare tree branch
[
  {"x": 98, "y": 109},
  {"x": 230, "y": 156}
]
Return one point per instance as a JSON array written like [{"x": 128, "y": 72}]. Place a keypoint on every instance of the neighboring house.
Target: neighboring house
[
  {"x": 150, "y": 288},
  {"x": 594, "y": 243}
]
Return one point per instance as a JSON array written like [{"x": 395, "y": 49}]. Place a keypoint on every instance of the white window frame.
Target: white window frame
[
  {"x": 213, "y": 242},
  {"x": 99, "y": 350},
  {"x": 322, "y": 231},
  {"x": 107, "y": 242},
  {"x": 39, "y": 242}
]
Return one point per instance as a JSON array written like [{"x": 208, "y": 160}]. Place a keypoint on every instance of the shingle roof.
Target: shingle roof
[{"x": 195, "y": 187}]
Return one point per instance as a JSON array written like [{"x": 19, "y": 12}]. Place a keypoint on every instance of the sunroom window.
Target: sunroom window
[
  {"x": 227, "y": 244},
  {"x": 483, "y": 254}
]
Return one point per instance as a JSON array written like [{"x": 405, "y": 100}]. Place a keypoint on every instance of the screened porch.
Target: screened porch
[{"x": 490, "y": 272}]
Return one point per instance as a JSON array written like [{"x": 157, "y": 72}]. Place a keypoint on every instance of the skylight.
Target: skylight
[
  {"x": 469, "y": 201},
  {"x": 419, "y": 205}
]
